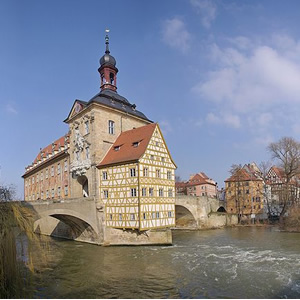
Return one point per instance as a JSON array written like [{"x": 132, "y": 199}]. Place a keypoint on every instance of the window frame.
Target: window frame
[
  {"x": 133, "y": 192},
  {"x": 111, "y": 127}
]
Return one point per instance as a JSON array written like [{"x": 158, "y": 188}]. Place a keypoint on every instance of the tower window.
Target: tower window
[
  {"x": 112, "y": 78},
  {"x": 111, "y": 127},
  {"x": 103, "y": 79}
]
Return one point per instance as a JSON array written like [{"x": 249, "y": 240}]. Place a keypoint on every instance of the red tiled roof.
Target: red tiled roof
[
  {"x": 55, "y": 146},
  {"x": 180, "y": 184},
  {"x": 243, "y": 175},
  {"x": 198, "y": 179},
  {"x": 127, "y": 152},
  {"x": 50, "y": 148}
]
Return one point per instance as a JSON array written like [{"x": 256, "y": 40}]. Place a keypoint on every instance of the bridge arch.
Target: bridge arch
[
  {"x": 185, "y": 217},
  {"x": 221, "y": 209},
  {"x": 66, "y": 223}
]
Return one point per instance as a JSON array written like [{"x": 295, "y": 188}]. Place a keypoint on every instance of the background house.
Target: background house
[{"x": 198, "y": 185}]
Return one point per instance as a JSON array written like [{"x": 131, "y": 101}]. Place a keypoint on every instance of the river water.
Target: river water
[{"x": 225, "y": 263}]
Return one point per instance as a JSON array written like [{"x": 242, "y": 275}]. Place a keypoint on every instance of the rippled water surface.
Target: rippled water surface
[{"x": 234, "y": 262}]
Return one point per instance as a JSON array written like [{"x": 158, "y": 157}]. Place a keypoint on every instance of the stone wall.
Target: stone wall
[
  {"x": 217, "y": 220},
  {"x": 133, "y": 237},
  {"x": 201, "y": 212}
]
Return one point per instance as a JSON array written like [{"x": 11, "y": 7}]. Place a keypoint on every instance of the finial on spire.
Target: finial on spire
[{"x": 107, "y": 41}]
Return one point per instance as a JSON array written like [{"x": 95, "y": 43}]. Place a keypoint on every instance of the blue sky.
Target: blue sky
[{"x": 222, "y": 78}]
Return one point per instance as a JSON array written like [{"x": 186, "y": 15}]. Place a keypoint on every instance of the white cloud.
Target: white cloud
[
  {"x": 227, "y": 119},
  {"x": 207, "y": 10},
  {"x": 252, "y": 81},
  {"x": 176, "y": 35},
  {"x": 10, "y": 109}
]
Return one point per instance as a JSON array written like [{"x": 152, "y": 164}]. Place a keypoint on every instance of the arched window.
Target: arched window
[{"x": 112, "y": 78}]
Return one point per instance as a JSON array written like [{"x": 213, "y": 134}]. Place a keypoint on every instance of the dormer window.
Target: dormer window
[
  {"x": 135, "y": 144},
  {"x": 117, "y": 148}
]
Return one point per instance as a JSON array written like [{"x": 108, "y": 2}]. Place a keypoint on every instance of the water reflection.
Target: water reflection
[{"x": 235, "y": 263}]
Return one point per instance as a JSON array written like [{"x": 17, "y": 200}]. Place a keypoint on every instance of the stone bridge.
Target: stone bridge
[
  {"x": 201, "y": 212},
  {"x": 74, "y": 219},
  {"x": 81, "y": 219}
]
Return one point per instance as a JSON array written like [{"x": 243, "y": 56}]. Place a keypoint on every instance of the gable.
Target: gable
[
  {"x": 158, "y": 148},
  {"x": 77, "y": 107}
]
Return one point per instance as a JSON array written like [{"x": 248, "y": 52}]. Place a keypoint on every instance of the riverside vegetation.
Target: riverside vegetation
[{"x": 16, "y": 255}]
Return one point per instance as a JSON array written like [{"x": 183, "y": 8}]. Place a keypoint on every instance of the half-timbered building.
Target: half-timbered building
[{"x": 137, "y": 181}]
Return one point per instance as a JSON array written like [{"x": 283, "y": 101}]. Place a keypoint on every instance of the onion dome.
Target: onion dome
[{"x": 107, "y": 59}]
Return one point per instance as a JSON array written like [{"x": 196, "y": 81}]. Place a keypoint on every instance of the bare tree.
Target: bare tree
[
  {"x": 235, "y": 168},
  {"x": 287, "y": 152},
  {"x": 7, "y": 193},
  {"x": 235, "y": 171},
  {"x": 265, "y": 167}
]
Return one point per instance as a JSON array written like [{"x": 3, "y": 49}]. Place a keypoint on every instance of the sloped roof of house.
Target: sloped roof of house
[
  {"x": 49, "y": 152},
  {"x": 243, "y": 175},
  {"x": 129, "y": 146},
  {"x": 180, "y": 184},
  {"x": 278, "y": 171},
  {"x": 200, "y": 178}
]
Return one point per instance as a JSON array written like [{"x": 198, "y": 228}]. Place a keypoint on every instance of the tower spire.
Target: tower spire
[
  {"x": 108, "y": 70},
  {"x": 107, "y": 41}
]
